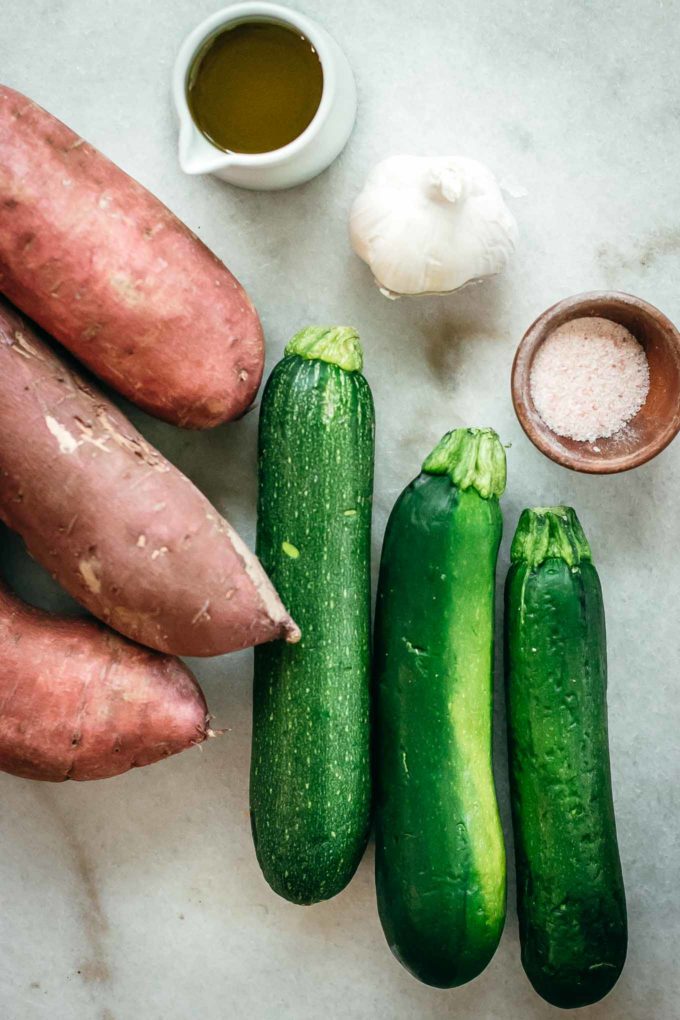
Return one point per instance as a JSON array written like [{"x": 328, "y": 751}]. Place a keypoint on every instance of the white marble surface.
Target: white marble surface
[{"x": 140, "y": 896}]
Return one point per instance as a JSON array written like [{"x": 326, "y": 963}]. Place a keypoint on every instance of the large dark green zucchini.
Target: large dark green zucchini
[
  {"x": 570, "y": 894},
  {"x": 310, "y": 772},
  {"x": 440, "y": 858}
]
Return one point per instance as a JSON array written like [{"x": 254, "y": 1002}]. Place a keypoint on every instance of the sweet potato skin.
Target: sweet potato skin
[
  {"x": 111, "y": 273},
  {"x": 114, "y": 522},
  {"x": 80, "y": 702}
]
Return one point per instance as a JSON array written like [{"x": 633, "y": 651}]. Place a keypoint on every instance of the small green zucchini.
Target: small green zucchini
[
  {"x": 570, "y": 894},
  {"x": 440, "y": 857},
  {"x": 310, "y": 786}
]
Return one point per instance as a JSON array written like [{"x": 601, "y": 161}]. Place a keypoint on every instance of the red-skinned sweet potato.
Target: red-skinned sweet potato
[
  {"x": 80, "y": 702},
  {"x": 109, "y": 271},
  {"x": 113, "y": 521}
]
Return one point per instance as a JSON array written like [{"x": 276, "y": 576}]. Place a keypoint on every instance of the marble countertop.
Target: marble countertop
[{"x": 140, "y": 896}]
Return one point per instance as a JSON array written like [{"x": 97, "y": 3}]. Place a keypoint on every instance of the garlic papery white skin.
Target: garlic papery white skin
[{"x": 430, "y": 225}]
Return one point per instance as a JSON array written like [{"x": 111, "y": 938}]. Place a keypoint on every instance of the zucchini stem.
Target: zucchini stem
[
  {"x": 472, "y": 458},
  {"x": 338, "y": 345},
  {"x": 550, "y": 532}
]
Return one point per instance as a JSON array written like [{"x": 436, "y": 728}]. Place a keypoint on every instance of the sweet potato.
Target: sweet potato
[
  {"x": 80, "y": 702},
  {"x": 113, "y": 521},
  {"x": 109, "y": 271}
]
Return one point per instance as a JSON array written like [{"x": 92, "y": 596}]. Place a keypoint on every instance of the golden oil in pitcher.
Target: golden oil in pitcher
[{"x": 254, "y": 87}]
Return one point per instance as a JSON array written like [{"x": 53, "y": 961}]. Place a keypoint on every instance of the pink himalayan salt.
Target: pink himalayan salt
[{"x": 589, "y": 378}]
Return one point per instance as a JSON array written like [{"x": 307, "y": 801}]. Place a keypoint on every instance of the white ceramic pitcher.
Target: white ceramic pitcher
[{"x": 308, "y": 154}]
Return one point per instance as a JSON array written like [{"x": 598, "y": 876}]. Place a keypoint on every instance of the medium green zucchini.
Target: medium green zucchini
[
  {"x": 570, "y": 894},
  {"x": 440, "y": 857},
  {"x": 310, "y": 789}
]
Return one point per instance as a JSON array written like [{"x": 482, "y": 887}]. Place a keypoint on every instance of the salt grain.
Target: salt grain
[{"x": 589, "y": 378}]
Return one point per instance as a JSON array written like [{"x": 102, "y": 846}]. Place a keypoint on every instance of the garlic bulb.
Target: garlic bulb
[{"x": 430, "y": 225}]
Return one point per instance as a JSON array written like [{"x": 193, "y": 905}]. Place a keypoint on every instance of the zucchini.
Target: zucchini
[
  {"x": 570, "y": 894},
  {"x": 310, "y": 788},
  {"x": 440, "y": 857}
]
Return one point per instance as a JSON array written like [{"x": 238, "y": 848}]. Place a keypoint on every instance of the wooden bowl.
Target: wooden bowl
[{"x": 658, "y": 420}]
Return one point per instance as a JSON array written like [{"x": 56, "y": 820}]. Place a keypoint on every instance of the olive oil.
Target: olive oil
[{"x": 255, "y": 87}]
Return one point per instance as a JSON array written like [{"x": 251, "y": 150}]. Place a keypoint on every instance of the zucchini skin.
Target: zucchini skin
[
  {"x": 570, "y": 893},
  {"x": 440, "y": 856},
  {"x": 310, "y": 790}
]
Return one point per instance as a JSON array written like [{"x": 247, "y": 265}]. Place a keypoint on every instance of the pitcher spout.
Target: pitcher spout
[{"x": 197, "y": 155}]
